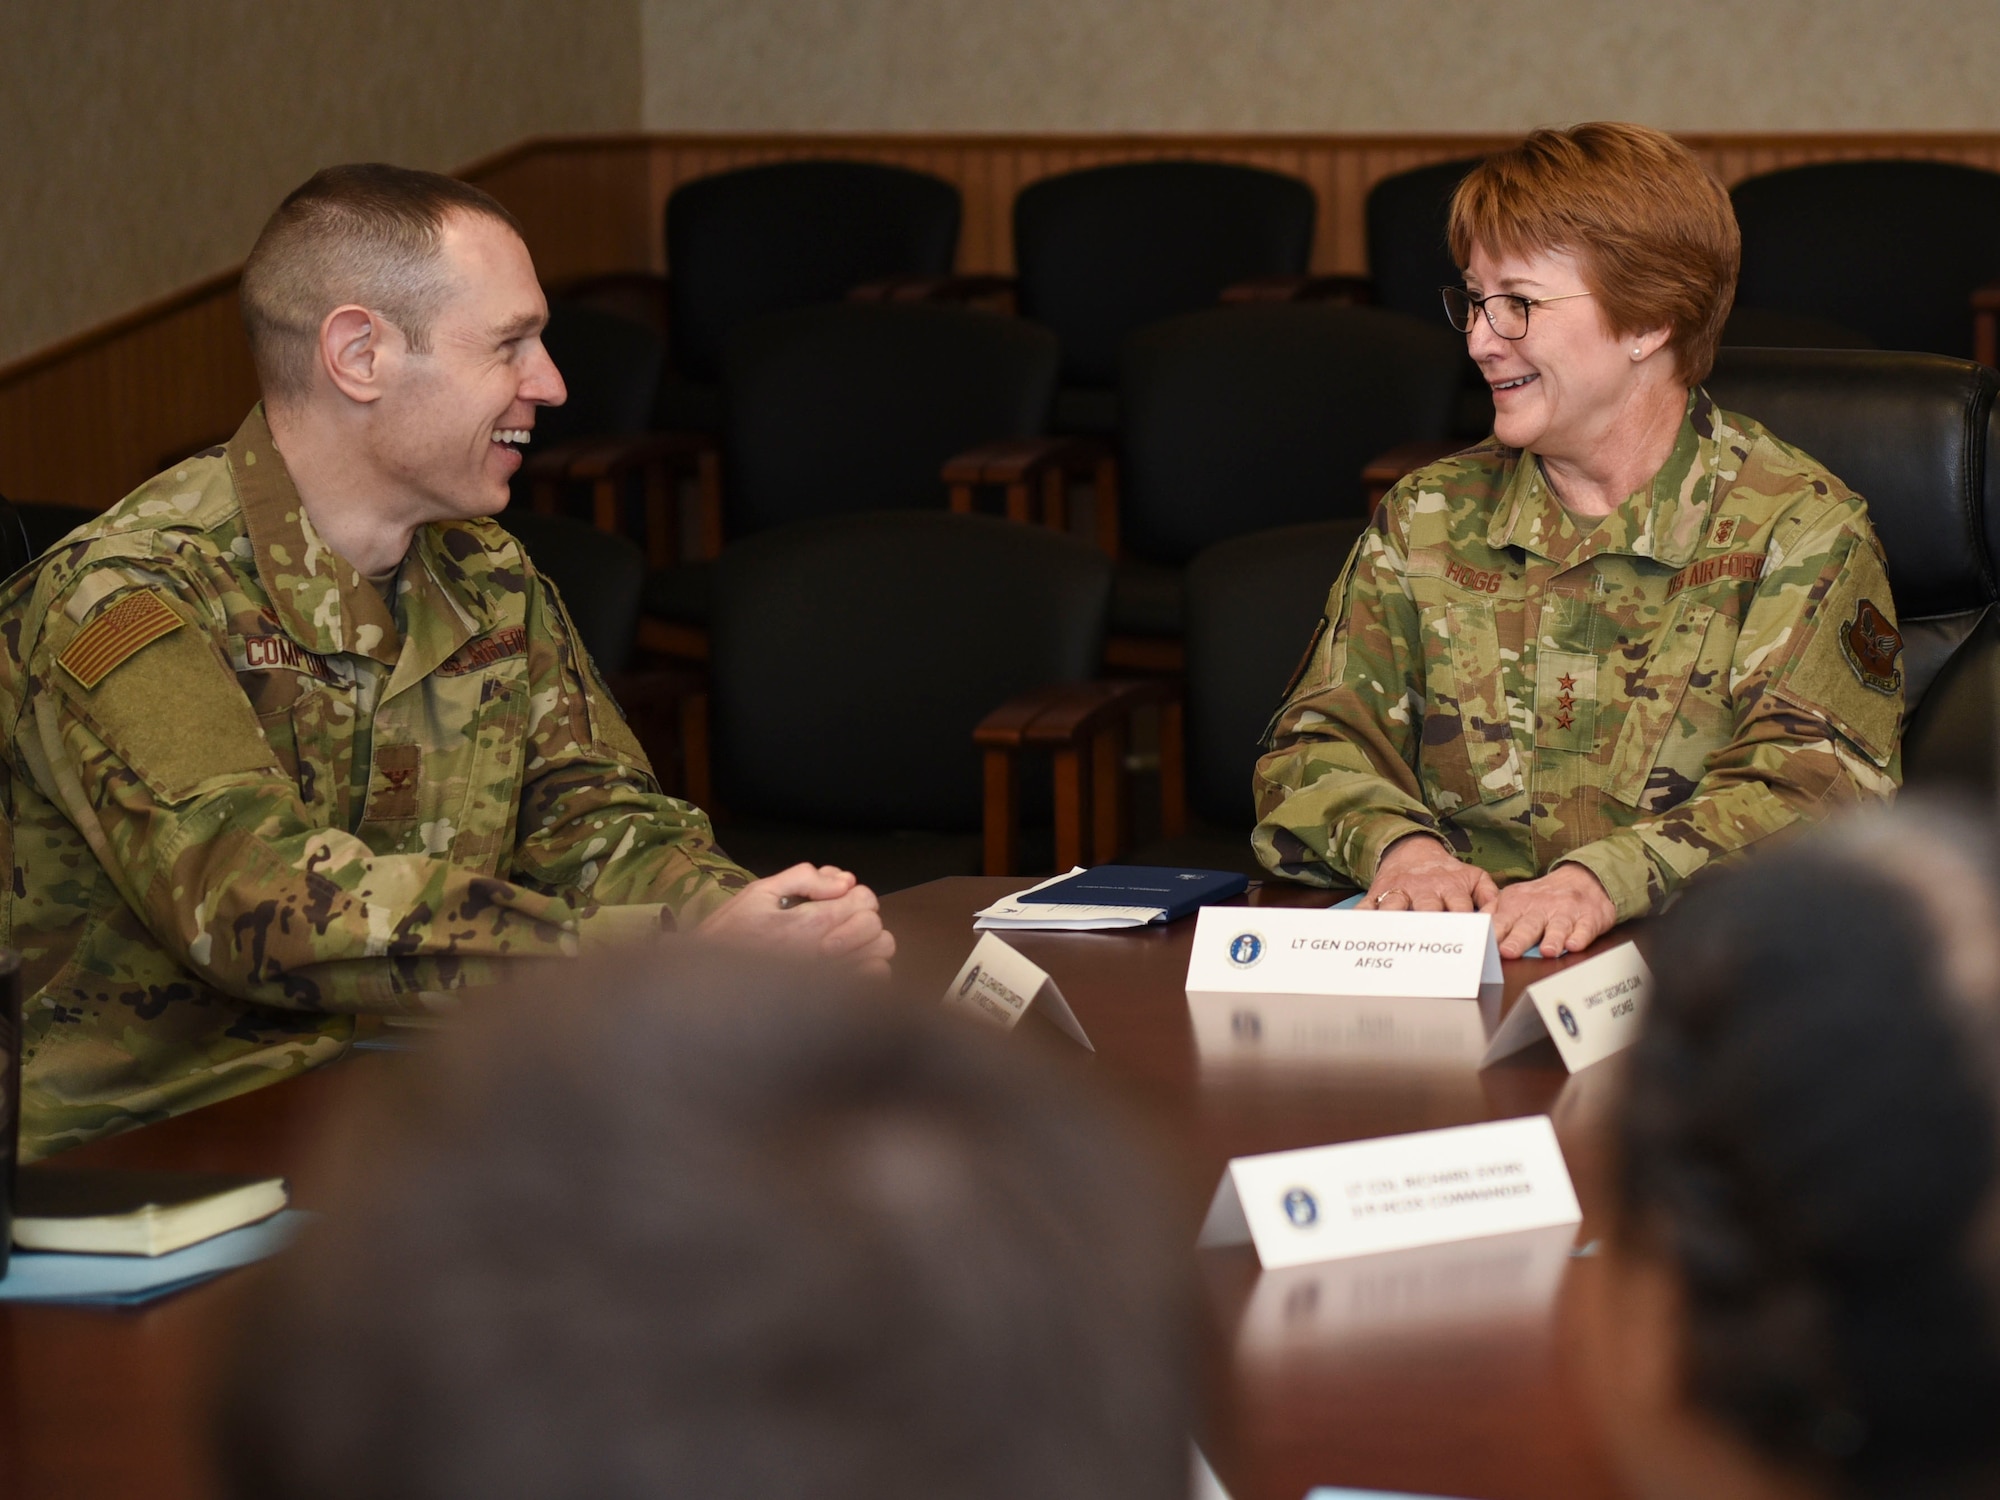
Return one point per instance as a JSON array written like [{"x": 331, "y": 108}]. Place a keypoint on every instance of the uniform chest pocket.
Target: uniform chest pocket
[
  {"x": 1653, "y": 701},
  {"x": 1468, "y": 753},
  {"x": 459, "y": 770}
]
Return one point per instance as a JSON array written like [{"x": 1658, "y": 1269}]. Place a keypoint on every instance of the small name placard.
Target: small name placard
[
  {"x": 1288, "y": 951},
  {"x": 998, "y": 984},
  {"x": 1590, "y": 1010},
  {"x": 1431, "y": 1188}
]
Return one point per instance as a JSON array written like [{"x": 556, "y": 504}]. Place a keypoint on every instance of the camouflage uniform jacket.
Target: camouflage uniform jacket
[
  {"x": 246, "y": 800},
  {"x": 1710, "y": 664}
]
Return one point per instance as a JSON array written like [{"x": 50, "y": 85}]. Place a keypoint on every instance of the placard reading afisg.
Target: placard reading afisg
[{"x": 1289, "y": 951}]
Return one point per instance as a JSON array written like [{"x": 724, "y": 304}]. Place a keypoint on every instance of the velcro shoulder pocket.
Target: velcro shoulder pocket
[{"x": 166, "y": 706}]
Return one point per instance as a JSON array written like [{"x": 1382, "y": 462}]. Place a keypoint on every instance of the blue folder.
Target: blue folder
[{"x": 1175, "y": 892}]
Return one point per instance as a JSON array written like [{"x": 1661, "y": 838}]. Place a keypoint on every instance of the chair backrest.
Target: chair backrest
[
  {"x": 1106, "y": 250},
  {"x": 599, "y": 576},
  {"x": 1242, "y": 418},
  {"x": 765, "y": 239},
  {"x": 1892, "y": 249},
  {"x": 611, "y": 366},
  {"x": 1908, "y": 433},
  {"x": 852, "y": 658},
  {"x": 856, "y": 406},
  {"x": 1251, "y": 606},
  {"x": 1409, "y": 257}
]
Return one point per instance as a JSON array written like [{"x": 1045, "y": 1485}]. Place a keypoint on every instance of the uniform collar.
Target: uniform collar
[
  {"x": 321, "y": 600},
  {"x": 1665, "y": 521}
]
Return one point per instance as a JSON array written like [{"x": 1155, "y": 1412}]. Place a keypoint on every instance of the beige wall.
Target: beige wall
[
  {"x": 146, "y": 140},
  {"x": 1319, "y": 65}
]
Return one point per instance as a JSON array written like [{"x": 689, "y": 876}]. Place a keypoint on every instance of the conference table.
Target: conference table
[{"x": 1435, "y": 1372}]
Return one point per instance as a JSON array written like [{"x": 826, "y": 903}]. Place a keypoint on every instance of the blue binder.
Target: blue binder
[{"x": 1173, "y": 892}]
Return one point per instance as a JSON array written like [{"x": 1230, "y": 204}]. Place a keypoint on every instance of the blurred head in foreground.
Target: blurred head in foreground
[
  {"x": 720, "y": 1232},
  {"x": 1799, "y": 1292}
]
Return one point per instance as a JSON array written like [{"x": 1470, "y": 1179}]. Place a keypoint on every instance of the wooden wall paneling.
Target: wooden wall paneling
[
  {"x": 87, "y": 420},
  {"x": 582, "y": 205}
]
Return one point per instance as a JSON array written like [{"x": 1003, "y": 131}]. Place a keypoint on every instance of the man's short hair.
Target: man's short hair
[
  {"x": 365, "y": 233},
  {"x": 727, "y": 1234},
  {"x": 1652, "y": 231}
]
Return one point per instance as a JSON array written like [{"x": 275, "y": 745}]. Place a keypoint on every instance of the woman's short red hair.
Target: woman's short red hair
[{"x": 1652, "y": 231}]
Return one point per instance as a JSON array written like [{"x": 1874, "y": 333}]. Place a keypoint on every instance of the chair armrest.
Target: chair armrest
[
  {"x": 966, "y": 290},
  {"x": 666, "y": 709},
  {"x": 1382, "y": 471},
  {"x": 1027, "y": 468},
  {"x": 1986, "y": 324},
  {"x": 604, "y": 462},
  {"x": 1084, "y": 726},
  {"x": 1330, "y": 288}
]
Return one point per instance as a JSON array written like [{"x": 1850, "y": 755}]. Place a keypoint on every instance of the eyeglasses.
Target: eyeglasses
[{"x": 1506, "y": 313}]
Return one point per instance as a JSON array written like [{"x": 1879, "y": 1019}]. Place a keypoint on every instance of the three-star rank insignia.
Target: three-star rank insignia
[{"x": 1872, "y": 645}]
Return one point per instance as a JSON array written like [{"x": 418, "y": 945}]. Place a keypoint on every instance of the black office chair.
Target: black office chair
[
  {"x": 1239, "y": 419},
  {"x": 855, "y": 407},
  {"x": 1915, "y": 436},
  {"x": 1252, "y": 603},
  {"x": 1891, "y": 250},
  {"x": 1909, "y": 434},
  {"x": 758, "y": 240},
  {"x": 1407, "y": 217},
  {"x": 611, "y": 366},
  {"x": 852, "y": 659},
  {"x": 1103, "y": 251}
]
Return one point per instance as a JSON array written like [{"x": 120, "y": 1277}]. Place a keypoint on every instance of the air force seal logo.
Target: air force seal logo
[
  {"x": 1245, "y": 949},
  {"x": 1564, "y": 1015},
  {"x": 1301, "y": 1208}
]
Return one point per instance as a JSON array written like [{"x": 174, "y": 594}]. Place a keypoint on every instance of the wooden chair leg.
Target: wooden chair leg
[
  {"x": 662, "y": 531},
  {"x": 1107, "y": 793},
  {"x": 708, "y": 492},
  {"x": 1055, "y": 500},
  {"x": 1986, "y": 336},
  {"x": 961, "y": 499},
  {"x": 1107, "y": 507},
  {"x": 1003, "y": 813},
  {"x": 1173, "y": 770},
  {"x": 1072, "y": 808},
  {"x": 694, "y": 752},
  {"x": 1018, "y": 506},
  {"x": 604, "y": 505}
]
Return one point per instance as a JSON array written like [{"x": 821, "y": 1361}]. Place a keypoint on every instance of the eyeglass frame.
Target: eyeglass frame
[{"x": 1528, "y": 304}]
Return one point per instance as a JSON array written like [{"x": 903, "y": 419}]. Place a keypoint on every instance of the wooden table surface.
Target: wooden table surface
[{"x": 1435, "y": 1372}]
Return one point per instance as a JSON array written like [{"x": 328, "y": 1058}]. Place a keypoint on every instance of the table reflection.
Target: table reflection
[
  {"x": 1400, "y": 1293},
  {"x": 1238, "y": 1032}
]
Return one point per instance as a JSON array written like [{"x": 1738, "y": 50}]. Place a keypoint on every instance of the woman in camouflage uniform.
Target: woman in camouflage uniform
[{"x": 1628, "y": 634}]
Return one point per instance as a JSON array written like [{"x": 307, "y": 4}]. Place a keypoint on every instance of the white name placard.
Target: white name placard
[
  {"x": 1591, "y": 1010},
  {"x": 1291, "y": 951},
  {"x": 1431, "y": 1188},
  {"x": 997, "y": 984}
]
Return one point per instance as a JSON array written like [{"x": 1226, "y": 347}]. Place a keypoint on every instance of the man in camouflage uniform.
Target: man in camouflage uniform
[
  {"x": 1709, "y": 664},
  {"x": 299, "y": 734}
]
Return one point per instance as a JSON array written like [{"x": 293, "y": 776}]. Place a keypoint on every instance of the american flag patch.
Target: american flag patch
[{"x": 136, "y": 620}]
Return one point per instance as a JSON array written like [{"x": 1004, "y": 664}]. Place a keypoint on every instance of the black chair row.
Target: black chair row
[{"x": 921, "y": 619}]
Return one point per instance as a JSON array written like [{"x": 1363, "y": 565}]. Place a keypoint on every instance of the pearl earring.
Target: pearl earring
[{"x": 1638, "y": 354}]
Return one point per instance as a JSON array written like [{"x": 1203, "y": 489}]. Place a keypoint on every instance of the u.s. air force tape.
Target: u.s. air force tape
[{"x": 137, "y": 620}]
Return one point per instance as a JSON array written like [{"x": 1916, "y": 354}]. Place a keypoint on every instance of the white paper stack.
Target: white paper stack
[{"x": 1012, "y": 914}]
